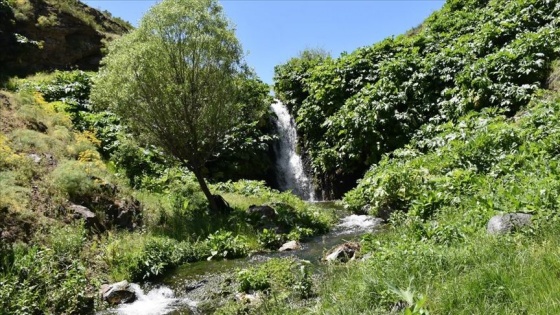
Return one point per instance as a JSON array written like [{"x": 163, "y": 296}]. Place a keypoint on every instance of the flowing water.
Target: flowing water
[
  {"x": 191, "y": 286},
  {"x": 290, "y": 172}
]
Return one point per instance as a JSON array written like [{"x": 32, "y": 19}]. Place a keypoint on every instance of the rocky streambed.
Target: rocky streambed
[{"x": 198, "y": 288}]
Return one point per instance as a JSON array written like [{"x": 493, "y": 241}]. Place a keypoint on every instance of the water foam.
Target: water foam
[{"x": 158, "y": 301}]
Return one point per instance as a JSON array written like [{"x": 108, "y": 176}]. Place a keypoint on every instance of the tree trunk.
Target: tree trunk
[{"x": 206, "y": 191}]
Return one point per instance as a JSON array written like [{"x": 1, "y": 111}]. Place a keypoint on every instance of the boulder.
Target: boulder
[
  {"x": 505, "y": 223},
  {"x": 35, "y": 158},
  {"x": 118, "y": 293},
  {"x": 263, "y": 212},
  {"x": 90, "y": 218},
  {"x": 343, "y": 252},
  {"x": 289, "y": 246},
  {"x": 123, "y": 213},
  {"x": 74, "y": 39}
]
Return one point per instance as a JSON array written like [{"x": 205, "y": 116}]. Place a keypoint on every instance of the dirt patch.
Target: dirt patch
[
  {"x": 553, "y": 82},
  {"x": 15, "y": 227},
  {"x": 8, "y": 120}
]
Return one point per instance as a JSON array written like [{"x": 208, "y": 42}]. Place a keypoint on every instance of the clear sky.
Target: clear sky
[{"x": 272, "y": 32}]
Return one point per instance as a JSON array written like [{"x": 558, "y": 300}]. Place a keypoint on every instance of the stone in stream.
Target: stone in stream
[
  {"x": 505, "y": 223},
  {"x": 195, "y": 285},
  {"x": 118, "y": 293},
  {"x": 343, "y": 252},
  {"x": 289, "y": 246}
]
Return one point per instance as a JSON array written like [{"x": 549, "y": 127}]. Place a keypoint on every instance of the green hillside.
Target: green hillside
[{"x": 468, "y": 56}]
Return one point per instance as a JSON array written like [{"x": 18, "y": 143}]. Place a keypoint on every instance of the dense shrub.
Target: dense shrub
[
  {"x": 47, "y": 279},
  {"x": 139, "y": 258},
  {"x": 470, "y": 169}
]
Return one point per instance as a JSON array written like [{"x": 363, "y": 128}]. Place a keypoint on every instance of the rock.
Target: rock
[
  {"x": 505, "y": 223},
  {"x": 118, "y": 293},
  {"x": 37, "y": 126},
  {"x": 124, "y": 213},
  {"x": 195, "y": 285},
  {"x": 343, "y": 253},
  {"x": 35, "y": 157},
  {"x": 248, "y": 298},
  {"x": 289, "y": 246},
  {"x": 263, "y": 212},
  {"x": 258, "y": 258},
  {"x": 125, "y": 219},
  {"x": 90, "y": 218}
]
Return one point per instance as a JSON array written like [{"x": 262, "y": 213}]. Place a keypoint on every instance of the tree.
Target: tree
[{"x": 175, "y": 79}]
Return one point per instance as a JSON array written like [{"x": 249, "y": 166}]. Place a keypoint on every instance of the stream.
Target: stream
[{"x": 194, "y": 288}]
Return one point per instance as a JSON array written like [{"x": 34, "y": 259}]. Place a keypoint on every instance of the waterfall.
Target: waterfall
[{"x": 289, "y": 167}]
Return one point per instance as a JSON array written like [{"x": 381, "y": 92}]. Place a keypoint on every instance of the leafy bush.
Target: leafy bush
[
  {"x": 223, "y": 244},
  {"x": 270, "y": 239},
  {"x": 139, "y": 258},
  {"x": 47, "y": 279},
  {"x": 75, "y": 179},
  {"x": 479, "y": 165},
  {"x": 278, "y": 275}
]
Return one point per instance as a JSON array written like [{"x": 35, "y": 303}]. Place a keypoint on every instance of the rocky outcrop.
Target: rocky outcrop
[
  {"x": 90, "y": 218},
  {"x": 43, "y": 35},
  {"x": 343, "y": 252},
  {"x": 505, "y": 223},
  {"x": 118, "y": 293}
]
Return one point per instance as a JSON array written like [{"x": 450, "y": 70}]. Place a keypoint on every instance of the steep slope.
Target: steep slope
[
  {"x": 53, "y": 34},
  {"x": 470, "y": 55}
]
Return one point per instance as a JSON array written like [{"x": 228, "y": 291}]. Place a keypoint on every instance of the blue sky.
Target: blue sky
[{"x": 272, "y": 32}]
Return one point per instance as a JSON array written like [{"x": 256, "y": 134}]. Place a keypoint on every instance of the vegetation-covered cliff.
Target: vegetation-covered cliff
[{"x": 45, "y": 35}]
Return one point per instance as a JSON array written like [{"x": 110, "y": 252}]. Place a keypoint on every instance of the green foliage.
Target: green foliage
[
  {"x": 196, "y": 96},
  {"x": 73, "y": 89},
  {"x": 244, "y": 152},
  {"x": 415, "y": 305},
  {"x": 469, "y": 170},
  {"x": 223, "y": 244},
  {"x": 139, "y": 258},
  {"x": 269, "y": 239},
  {"x": 13, "y": 193},
  {"x": 354, "y": 109},
  {"x": 276, "y": 274},
  {"x": 74, "y": 179},
  {"x": 47, "y": 279}
]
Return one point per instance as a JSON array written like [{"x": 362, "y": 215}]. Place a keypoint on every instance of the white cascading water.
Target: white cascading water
[
  {"x": 289, "y": 167},
  {"x": 158, "y": 301}
]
